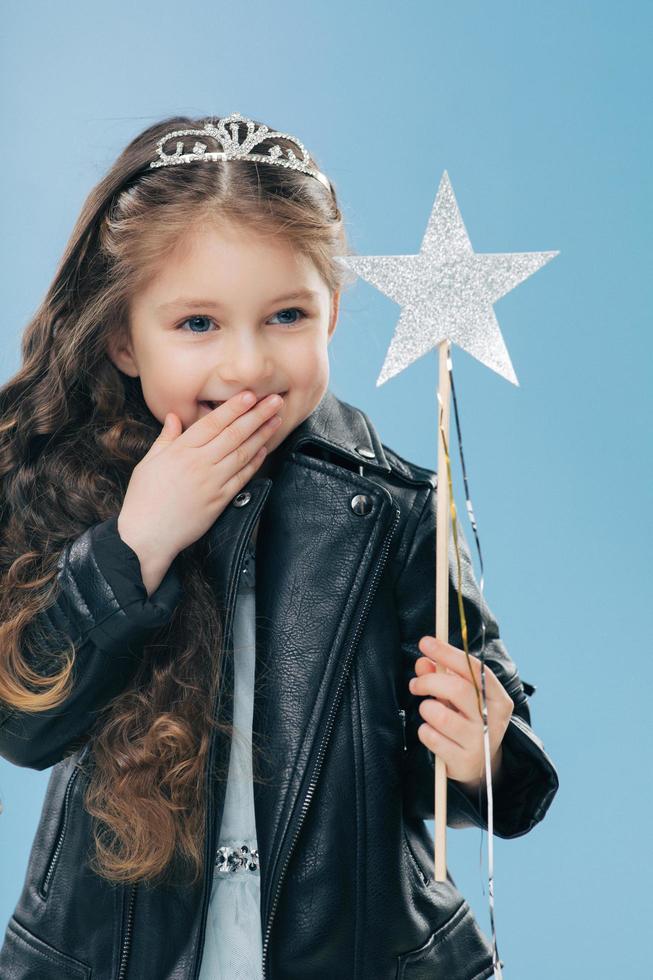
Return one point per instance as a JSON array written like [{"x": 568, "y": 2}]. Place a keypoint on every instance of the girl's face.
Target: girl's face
[{"x": 231, "y": 310}]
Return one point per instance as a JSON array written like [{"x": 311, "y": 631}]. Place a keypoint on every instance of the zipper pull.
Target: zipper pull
[{"x": 402, "y": 712}]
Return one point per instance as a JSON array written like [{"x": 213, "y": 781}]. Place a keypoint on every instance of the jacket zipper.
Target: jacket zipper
[
  {"x": 402, "y": 715},
  {"x": 122, "y": 972},
  {"x": 45, "y": 886},
  {"x": 209, "y": 841},
  {"x": 209, "y": 856},
  {"x": 368, "y": 599}
]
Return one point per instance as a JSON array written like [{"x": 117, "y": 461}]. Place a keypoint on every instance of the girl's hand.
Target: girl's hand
[
  {"x": 454, "y": 726},
  {"x": 185, "y": 480}
]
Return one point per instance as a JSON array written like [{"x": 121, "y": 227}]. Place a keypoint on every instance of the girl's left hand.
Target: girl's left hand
[{"x": 454, "y": 726}]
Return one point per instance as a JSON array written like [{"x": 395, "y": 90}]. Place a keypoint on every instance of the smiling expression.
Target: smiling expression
[{"x": 229, "y": 310}]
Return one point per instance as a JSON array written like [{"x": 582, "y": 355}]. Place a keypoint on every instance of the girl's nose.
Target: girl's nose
[{"x": 245, "y": 363}]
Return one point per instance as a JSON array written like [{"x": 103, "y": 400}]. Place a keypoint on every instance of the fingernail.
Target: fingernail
[{"x": 411, "y": 685}]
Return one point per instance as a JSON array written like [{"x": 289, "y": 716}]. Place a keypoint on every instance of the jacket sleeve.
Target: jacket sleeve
[
  {"x": 527, "y": 781},
  {"x": 103, "y": 609}
]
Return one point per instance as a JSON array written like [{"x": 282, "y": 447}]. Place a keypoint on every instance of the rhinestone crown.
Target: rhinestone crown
[{"x": 232, "y": 149}]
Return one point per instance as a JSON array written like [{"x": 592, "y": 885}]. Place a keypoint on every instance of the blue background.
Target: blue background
[{"x": 541, "y": 115}]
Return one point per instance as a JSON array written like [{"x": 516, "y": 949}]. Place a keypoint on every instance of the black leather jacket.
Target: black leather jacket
[{"x": 345, "y": 589}]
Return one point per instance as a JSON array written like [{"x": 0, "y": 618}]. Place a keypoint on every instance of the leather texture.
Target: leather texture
[{"x": 345, "y": 585}]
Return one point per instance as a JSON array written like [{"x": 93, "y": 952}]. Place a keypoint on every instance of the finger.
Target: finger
[
  {"x": 452, "y": 690},
  {"x": 236, "y": 418},
  {"x": 237, "y": 463},
  {"x": 449, "y": 751},
  {"x": 169, "y": 432},
  {"x": 451, "y": 657},
  {"x": 232, "y": 438},
  {"x": 423, "y": 665},
  {"x": 451, "y": 724},
  {"x": 238, "y": 479},
  {"x": 207, "y": 426}
]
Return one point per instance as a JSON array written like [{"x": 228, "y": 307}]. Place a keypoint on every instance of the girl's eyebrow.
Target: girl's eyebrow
[{"x": 187, "y": 302}]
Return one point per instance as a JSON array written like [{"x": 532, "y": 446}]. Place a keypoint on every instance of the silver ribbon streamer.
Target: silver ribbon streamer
[{"x": 496, "y": 962}]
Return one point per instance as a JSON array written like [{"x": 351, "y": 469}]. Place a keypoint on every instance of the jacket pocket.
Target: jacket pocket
[
  {"x": 457, "y": 949},
  {"x": 24, "y": 956},
  {"x": 422, "y": 877}
]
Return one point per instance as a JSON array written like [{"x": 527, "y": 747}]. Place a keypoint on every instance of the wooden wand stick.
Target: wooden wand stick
[{"x": 442, "y": 599}]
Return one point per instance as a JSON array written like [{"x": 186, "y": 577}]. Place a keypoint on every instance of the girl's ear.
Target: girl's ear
[
  {"x": 335, "y": 305},
  {"x": 122, "y": 357}
]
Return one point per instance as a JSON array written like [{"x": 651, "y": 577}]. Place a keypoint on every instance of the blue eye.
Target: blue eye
[
  {"x": 292, "y": 309},
  {"x": 191, "y": 318},
  {"x": 287, "y": 323}
]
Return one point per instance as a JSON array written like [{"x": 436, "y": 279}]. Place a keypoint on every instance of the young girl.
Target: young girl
[{"x": 212, "y": 646}]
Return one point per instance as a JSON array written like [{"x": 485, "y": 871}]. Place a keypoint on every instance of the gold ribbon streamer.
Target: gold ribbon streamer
[{"x": 481, "y": 699}]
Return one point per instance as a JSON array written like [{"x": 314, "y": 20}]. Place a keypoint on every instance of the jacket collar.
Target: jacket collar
[{"x": 343, "y": 429}]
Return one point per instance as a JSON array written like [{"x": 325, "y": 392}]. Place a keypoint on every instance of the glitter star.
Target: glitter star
[{"x": 446, "y": 291}]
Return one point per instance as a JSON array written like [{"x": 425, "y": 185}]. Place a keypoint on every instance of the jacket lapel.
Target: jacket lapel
[{"x": 314, "y": 563}]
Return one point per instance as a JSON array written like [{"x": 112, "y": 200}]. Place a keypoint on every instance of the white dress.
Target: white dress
[{"x": 233, "y": 945}]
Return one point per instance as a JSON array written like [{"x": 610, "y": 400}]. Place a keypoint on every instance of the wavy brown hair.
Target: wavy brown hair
[{"x": 72, "y": 428}]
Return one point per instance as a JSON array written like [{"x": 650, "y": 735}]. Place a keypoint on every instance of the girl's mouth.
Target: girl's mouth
[{"x": 212, "y": 405}]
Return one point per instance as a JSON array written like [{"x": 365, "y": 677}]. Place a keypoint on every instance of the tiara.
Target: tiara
[{"x": 232, "y": 149}]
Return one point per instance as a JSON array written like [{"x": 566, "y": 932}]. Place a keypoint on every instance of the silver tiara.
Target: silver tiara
[{"x": 232, "y": 149}]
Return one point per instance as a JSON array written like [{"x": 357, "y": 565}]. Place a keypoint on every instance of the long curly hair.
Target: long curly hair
[{"x": 72, "y": 427}]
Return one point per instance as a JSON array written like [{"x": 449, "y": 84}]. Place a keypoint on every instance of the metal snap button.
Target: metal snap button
[
  {"x": 242, "y": 498},
  {"x": 364, "y": 451},
  {"x": 361, "y": 503}
]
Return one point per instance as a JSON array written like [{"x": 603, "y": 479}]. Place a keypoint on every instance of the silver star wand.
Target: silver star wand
[{"x": 446, "y": 294}]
